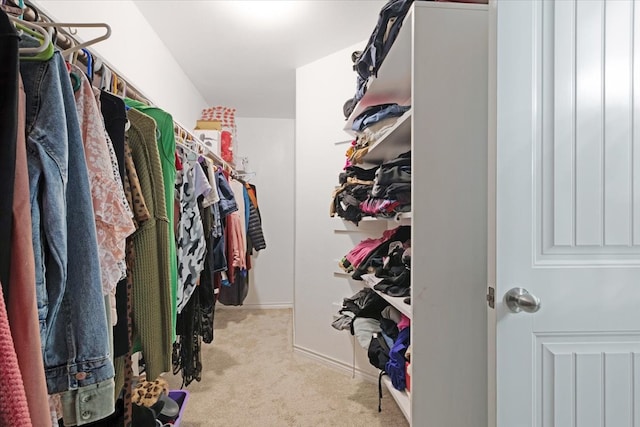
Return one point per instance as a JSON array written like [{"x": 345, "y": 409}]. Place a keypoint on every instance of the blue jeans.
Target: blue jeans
[
  {"x": 227, "y": 198},
  {"x": 71, "y": 310},
  {"x": 376, "y": 113}
]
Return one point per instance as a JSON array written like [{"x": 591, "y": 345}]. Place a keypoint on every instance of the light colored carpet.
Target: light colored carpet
[{"x": 251, "y": 377}]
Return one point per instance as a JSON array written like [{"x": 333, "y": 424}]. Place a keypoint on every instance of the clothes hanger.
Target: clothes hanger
[
  {"x": 80, "y": 25},
  {"x": 89, "y": 56},
  {"x": 10, "y": 8},
  {"x": 106, "y": 79},
  {"x": 114, "y": 83},
  {"x": 245, "y": 176},
  {"x": 72, "y": 56},
  {"x": 38, "y": 32},
  {"x": 188, "y": 154}
]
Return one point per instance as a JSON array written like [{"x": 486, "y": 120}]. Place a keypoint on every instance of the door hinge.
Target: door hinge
[{"x": 491, "y": 297}]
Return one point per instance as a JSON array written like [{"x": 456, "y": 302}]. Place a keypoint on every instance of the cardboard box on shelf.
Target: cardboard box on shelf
[{"x": 208, "y": 125}]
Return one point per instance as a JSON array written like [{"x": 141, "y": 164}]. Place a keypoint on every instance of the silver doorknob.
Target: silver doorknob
[{"x": 519, "y": 299}]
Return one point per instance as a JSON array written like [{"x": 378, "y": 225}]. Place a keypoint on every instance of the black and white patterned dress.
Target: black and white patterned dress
[{"x": 191, "y": 246}]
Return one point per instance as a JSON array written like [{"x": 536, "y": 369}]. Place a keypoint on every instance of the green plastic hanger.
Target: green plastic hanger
[{"x": 43, "y": 52}]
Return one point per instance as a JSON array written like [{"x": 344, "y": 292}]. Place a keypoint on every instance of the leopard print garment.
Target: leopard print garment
[
  {"x": 128, "y": 363},
  {"x": 134, "y": 196}
]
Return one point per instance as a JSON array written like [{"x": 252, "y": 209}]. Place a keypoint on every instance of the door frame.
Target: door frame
[{"x": 491, "y": 215}]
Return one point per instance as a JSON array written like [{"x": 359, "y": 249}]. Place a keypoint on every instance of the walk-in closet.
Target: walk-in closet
[{"x": 318, "y": 213}]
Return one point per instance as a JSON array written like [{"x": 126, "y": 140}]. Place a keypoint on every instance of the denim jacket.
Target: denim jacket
[
  {"x": 71, "y": 309},
  {"x": 227, "y": 198}
]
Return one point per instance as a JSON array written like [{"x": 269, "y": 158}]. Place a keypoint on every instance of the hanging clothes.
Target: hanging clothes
[
  {"x": 22, "y": 307},
  {"x": 212, "y": 197},
  {"x": 187, "y": 349},
  {"x": 238, "y": 191},
  {"x": 191, "y": 246},
  {"x": 236, "y": 289},
  {"x": 75, "y": 342},
  {"x": 113, "y": 218},
  {"x": 254, "y": 224},
  {"x": 17, "y": 269},
  {"x": 14, "y": 409},
  {"x": 124, "y": 364},
  {"x": 8, "y": 132},
  {"x": 166, "y": 145},
  {"x": 206, "y": 290},
  {"x": 152, "y": 293},
  {"x": 103, "y": 195},
  {"x": 115, "y": 120}
]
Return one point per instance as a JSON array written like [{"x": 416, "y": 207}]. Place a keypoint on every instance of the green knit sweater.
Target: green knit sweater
[
  {"x": 166, "y": 141},
  {"x": 151, "y": 276}
]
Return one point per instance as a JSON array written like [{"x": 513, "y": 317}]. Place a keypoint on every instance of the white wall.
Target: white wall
[
  {"x": 322, "y": 87},
  {"x": 135, "y": 51},
  {"x": 269, "y": 146}
]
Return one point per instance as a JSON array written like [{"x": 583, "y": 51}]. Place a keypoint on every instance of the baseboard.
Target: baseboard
[
  {"x": 275, "y": 306},
  {"x": 335, "y": 364}
]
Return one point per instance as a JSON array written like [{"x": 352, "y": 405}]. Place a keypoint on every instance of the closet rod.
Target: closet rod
[
  {"x": 212, "y": 155},
  {"x": 207, "y": 154}
]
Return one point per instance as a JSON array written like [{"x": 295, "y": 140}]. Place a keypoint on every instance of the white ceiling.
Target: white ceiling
[{"x": 239, "y": 54}]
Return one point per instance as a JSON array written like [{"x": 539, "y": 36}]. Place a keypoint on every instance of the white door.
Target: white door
[{"x": 568, "y": 212}]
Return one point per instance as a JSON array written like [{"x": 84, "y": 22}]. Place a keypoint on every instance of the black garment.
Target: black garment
[
  {"x": 206, "y": 294},
  {"x": 255, "y": 233},
  {"x": 403, "y": 159},
  {"x": 394, "y": 267},
  {"x": 389, "y": 327},
  {"x": 394, "y": 290},
  {"x": 120, "y": 337},
  {"x": 365, "y": 303},
  {"x": 186, "y": 349},
  {"x": 8, "y": 139},
  {"x": 254, "y": 229},
  {"x": 391, "y": 191},
  {"x": 347, "y": 202},
  {"x": 378, "y": 351},
  {"x": 236, "y": 292},
  {"x": 398, "y": 191},
  {"x": 216, "y": 256},
  {"x": 115, "y": 120},
  {"x": 375, "y": 259},
  {"x": 395, "y": 174},
  {"x": 205, "y": 290},
  {"x": 357, "y": 172}
]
